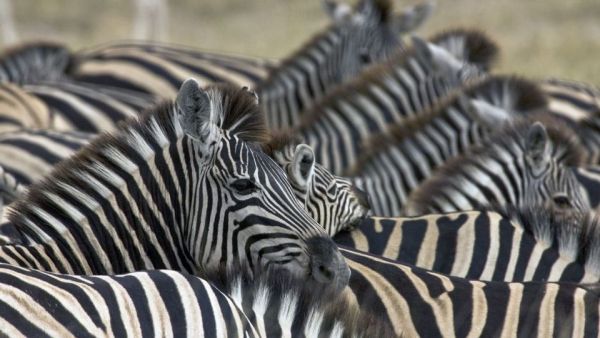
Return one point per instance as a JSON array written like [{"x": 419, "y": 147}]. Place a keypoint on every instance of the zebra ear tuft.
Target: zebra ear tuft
[
  {"x": 413, "y": 17},
  {"x": 488, "y": 114},
  {"x": 537, "y": 148},
  {"x": 303, "y": 164},
  {"x": 336, "y": 11},
  {"x": 193, "y": 105}
]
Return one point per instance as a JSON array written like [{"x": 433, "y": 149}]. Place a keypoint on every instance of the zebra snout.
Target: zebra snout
[
  {"x": 327, "y": 265},
  {"x": 362, "y": 197}
]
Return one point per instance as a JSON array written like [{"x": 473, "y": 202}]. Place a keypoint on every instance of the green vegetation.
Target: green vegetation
[{"x": 538, "y": 37}]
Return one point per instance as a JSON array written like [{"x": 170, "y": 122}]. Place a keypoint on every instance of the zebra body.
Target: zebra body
[
  {"x": 338, "y": 126},
  {"x": 397, "y": 162},
  {"x": 418, "y": 302},
  {"x": 83, "y": 219},
  {"x": 512, "y": 246},
  {"x": 527, "y": 163}
]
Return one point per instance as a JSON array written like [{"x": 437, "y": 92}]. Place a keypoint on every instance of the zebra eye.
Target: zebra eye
[
  {"x": 244, "y": 186},
  {"x": 562, "y": 201}
]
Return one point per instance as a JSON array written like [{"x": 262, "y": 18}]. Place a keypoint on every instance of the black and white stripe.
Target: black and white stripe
[
  {"x": 420, "y": 303},
  {"x": 397, "y": 162},
  {"x": 532, "y": 244}
]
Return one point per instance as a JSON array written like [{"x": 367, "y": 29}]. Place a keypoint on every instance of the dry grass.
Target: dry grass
[{"x": 538, "y": 38}]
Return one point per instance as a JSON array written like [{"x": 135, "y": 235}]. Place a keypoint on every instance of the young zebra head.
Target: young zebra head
[
  {"x": 528, "y": 163},
  {"x": 245, "y": 191},
  {"x": 368, "y": 33},
  {"x": 333, "y": 201}
]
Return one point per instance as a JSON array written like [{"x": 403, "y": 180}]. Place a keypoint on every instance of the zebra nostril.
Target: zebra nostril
[{"x": 324, "y": 274}]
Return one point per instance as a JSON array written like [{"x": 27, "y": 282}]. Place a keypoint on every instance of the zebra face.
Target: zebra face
[
  {"x": 369, "y": 33},
  {"x": 548, "y": 182},
  {"x": 331, "y": 200},
  {"x": 243, "y": 210}
]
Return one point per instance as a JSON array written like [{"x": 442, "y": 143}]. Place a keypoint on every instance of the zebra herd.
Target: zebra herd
[{"x": 365, "y": 186}]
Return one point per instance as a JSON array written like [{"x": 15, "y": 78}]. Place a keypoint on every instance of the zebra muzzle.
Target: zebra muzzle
[{"x": 327, "y": 265}]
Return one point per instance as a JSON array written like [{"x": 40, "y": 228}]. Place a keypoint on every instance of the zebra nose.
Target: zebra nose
[
  {"x": 327, "y": 264},
  {"x": 363, "y": 197}
]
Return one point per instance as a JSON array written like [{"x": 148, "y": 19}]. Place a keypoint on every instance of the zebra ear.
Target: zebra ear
[
  {"x": 413, "y": 17},
  {"x": 195, "y": 112},
  {"x": 439, "y": 58},
  {"x": 537, "y": 148},
  {"x": 488, "y": 114},
  {"x": 303, "y": 164},
  {"x": 336, "y": 11}
]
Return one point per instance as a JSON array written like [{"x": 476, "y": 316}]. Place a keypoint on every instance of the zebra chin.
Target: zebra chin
[{"x": 323, "y": 265}]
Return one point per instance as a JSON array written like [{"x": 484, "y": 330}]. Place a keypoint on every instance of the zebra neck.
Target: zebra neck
[
  {"x": 116, "y": 207},
  {"x": 299, "y": 82}
]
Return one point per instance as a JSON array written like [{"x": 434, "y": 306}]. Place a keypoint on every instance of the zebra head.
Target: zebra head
[
  {"x": 333, "y": 201},
  {"x": 242, "y": 194},
  {"x": 548, "y": 181},
  {"x": 368, "y": 33}
]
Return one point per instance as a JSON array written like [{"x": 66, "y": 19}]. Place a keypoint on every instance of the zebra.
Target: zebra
[
  {"x": 395, "y": 163},
  {"x": 170, "y": 303},
  {"x": 359, "y": 37},
  {"x": 142, "y": 198},
  {"x": 339, "y": 124},
  {"x": 153, "y": 71},
  {"x": 26, "y": 156},
  {"x": 510, "y": 245},
  {"x": 528, "y": 162},
  {"x": 420, "y": 303}
]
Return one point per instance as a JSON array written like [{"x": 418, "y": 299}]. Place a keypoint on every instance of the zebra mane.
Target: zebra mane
[
  {"x": 565, "y": 145},
  {"x": 471, "y": 45},
  {"x": 295, "y": 303},
  {"x": 155, "y": 126},
  {"x": 576, "y": 235},
  {"x": 520, "y": 96},
  {"x": 34, "y": 62},
  {"x": 279, "y": 140}
]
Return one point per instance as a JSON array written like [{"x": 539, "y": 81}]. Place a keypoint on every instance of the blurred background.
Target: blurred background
[{"x": 538, "y": 38}]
